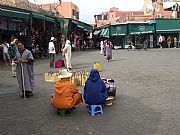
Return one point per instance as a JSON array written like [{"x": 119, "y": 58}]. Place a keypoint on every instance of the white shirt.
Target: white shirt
[
  {"x": 160, "y": 39},
  {"x": 51, "y": 48},
  {"x": 5, "y": 47},
  {"x": 102, "y": 44}
]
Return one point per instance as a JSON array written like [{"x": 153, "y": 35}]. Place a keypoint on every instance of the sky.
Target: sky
[{"x": 89, "y": 8}]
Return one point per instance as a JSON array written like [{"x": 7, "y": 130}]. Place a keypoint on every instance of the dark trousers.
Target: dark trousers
[{"x": 52, "y": 59}]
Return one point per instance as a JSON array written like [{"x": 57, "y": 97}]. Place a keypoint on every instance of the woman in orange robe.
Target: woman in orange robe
[{"x": 66, "y": 95}]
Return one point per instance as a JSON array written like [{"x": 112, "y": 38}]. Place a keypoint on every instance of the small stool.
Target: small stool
[
  {"x": 62, "y": 112},
  {"x": 93, "y": 109}
]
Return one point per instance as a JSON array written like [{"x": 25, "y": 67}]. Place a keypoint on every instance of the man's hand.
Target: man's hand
[
  {"x": 80, "y": 92},
  {"x": 16, "y": 62},
  {"x": 24, "y": 61}
]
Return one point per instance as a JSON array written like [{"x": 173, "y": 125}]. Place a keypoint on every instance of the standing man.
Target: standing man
[
  {"x": 102, "y": 46},
  {"x": 6, "y": 57},
  {"x": 67, "y": 53},
  {"x": 25, "y": 70},
  {"x": 52, "y": 52},
  {"x": 13, "y": 49},
  {"x": 160, "y": 41}
]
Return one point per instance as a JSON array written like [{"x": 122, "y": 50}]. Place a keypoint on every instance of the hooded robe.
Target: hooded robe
[
  {"x": 26, "y": 72},
  {"x": 95, "y": 92},
  {"x": 66, "y": 95}
]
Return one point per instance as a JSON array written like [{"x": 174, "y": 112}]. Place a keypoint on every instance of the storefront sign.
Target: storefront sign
[{"x": 141, "y": 27}]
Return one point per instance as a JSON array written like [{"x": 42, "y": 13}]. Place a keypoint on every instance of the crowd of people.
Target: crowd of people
[
  {"x": 21, "y": 61},
  {"x": 66, "y": 94},
  {"x": 168, "y": 42}
]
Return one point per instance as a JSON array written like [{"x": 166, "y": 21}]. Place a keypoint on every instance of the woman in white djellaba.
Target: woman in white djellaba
[{"x": 67, "y": 53}]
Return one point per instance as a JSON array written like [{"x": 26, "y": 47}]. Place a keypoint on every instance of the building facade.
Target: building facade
[
  {"x": 22, "y": 4},
  {"x": 160, "y": 8},
  {"x": 65, "y": 9},
  {"x": 114, "y": 16},
  {"x": 152, "y": 9},
  {"x": 11, "y": 3}
]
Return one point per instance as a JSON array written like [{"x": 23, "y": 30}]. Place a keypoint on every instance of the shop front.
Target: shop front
[
  {"x": 139, "y": 33},
  {"x": 13, "y": 23},
  {"x": 42, "y": 28},
  {"x": 79, "y": 33},
  {"x": 169, "y": 29},
  {"x": 118, "y": 35}
]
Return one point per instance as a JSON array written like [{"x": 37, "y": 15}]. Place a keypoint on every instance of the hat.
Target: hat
[
  {"x": 52, "y": 38},
  {"x": 64, "y": 74}
]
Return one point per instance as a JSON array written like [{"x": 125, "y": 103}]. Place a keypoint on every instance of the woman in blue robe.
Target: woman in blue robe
[{"x": 95, "y": 92}]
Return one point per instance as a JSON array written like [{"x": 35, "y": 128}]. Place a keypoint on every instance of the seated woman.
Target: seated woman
[
  {"x": 66, "y": 95},
  {"x": 95, "y": 92}
]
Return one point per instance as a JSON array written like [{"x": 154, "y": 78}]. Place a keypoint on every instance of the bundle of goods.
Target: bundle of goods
[
  {"x": 51, "y": 76},
  {"x": 97, "y": 66},
  {"x": 59, "y": 64},
  {"x": 79, "y": 77}
]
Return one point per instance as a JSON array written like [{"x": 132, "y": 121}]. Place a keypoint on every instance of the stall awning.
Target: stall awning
[
  {"x": 83, "y": 26},
  {"x": 118, "y": 30},
  {"x": 43, "y": 17},
  {"x": 80, "y": 26},
  {"x": 13, "y": 13},
  {"x": 49, "y": 19},
  {"x": 140, "y": 28},
  {"x": 105, "y": 32},
  {"x": 168, "y": 26},
  {"x": 38, "y": 16},
  {"x": 97, "y": 32}
]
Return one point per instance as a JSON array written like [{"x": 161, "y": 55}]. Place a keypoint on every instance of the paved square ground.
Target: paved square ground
[{"x": 147, "y": 101}]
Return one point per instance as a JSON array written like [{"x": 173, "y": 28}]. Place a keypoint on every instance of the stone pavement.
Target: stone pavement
[{"x": 147, "y": 102}]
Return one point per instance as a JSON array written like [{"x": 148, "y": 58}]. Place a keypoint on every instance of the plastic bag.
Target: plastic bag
[{"x": 97, "y": 66}]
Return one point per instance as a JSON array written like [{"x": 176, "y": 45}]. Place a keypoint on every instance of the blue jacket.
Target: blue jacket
[{"x": 95, "y": 92}]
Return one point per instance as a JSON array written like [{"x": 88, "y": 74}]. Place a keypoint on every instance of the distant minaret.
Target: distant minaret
[
  {"x": 148, "y": 8},
  {"x": 150, "y": 4}
]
